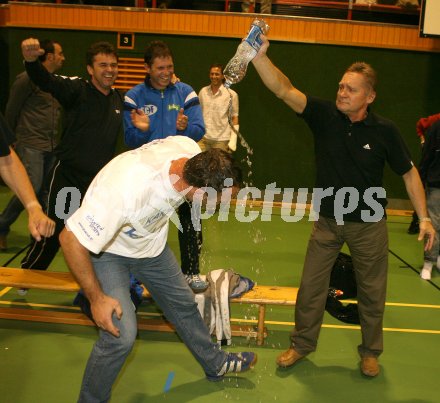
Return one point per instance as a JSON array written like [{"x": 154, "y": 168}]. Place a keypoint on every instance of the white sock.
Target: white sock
[
  {"x": 425, "y": 274},
  {"x": 438, "y": 262}
]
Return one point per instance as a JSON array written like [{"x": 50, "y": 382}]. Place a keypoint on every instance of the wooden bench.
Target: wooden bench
[{"x": 61, "y": 281}]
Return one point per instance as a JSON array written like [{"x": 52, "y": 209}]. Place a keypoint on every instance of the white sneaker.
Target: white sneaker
[
  {"x": 22, "y": 292},
  {"x": 425, "y": 274}
]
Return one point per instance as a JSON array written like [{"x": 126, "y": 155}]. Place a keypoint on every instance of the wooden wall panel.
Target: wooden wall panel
[
  {"x": 198, "y": 23},
  {"x": 4, "y": 15}
]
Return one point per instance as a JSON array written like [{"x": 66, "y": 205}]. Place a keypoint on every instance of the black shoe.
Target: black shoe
[
  {"x": 413, "y": 227},
  {"x": 3, "y": 243}
]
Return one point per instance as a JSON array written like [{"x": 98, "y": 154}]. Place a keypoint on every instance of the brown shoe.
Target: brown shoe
[
  {"x": 3, "y": 243},
  {"x": 288, "y": 358},
  {"x": 370, "y": 366}
]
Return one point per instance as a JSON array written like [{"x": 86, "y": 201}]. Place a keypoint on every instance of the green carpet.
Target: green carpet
[{"x": 43, "y": 363}]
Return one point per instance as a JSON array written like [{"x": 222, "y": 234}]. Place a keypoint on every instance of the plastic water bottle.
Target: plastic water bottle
[{"x": 235, "y": 70}]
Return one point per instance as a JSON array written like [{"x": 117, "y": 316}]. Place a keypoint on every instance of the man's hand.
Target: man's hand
[
  {"x": 39, "y": 224},
  {"x": 140, "y": 120},
  {"x": 427, "y": 233},
  {"x": 182, "y": 121},
  {"x": 80, "y": 264},
  {"x": 174, "y": 79},
  {"x": 102, "y": 311},
  {"x": 31, "y": 49},
  {"x": 263, "y": 48}
]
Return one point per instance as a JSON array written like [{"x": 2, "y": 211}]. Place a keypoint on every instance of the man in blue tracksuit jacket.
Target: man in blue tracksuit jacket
[
  {"x": 162, "y": 106},
  {"x": 172, "y": 108}
]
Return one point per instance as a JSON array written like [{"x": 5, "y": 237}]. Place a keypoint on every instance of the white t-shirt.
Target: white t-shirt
[
  {"x": 127, "y": 207},
  {"x": 215, "y": 109}
]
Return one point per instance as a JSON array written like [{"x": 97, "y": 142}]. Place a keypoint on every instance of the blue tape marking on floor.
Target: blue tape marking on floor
[{"x": 170, "y": 378}]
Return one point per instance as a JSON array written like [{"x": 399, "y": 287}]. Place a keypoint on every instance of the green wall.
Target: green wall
[{"x": 282, "y": 144}]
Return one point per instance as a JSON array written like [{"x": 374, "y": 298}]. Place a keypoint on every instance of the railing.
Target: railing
[
  {"x": 221, "y": 24},
  {"x": 346, "y": 9}
]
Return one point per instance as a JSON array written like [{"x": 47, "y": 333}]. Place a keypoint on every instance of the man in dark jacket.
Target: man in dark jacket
[
  {"x": 93, "y": 122},
  {"x": 33, "y": 115}
]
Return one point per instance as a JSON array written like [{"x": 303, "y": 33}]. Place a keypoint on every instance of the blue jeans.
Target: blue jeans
[
  {"x": 164, "y": 279},
  {"x": 38, "y": 164},
  {"x": 433, "y": 204}
]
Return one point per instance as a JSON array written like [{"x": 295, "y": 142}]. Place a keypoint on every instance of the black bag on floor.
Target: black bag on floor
[
  {"x": 342, "y": 278},
  {"x": 345, "y": 313}
]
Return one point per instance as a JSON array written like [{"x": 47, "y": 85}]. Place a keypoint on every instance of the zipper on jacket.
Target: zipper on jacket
[{"x": 162, "y": 96}]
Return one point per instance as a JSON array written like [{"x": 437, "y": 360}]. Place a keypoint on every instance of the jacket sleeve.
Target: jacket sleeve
[
  {"x": 429, "y": 151},
  {"x": 133, "y": 137},
  {"x": 7, "y": 137},
  {"x": 65, "y": 89},
  {"x": 21, "y": 90},
  {"x": 196, "y": 125}
]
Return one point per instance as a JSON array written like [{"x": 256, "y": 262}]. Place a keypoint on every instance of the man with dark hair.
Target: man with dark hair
[
  {"x": 93, "y": 122},
  {"x": 122, "y": 228},
  {"x": 171, "y": 108},
  {"x": 210, "y": 168},
  {"x": 352, "y": 145},
  {"x": 220, "y": 112},
  {"x": 33, "y": 115},
  {"x": 180, "y": 116}
]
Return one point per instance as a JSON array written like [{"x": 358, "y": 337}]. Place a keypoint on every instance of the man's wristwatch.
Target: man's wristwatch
[{"x": 423, "y": 219}]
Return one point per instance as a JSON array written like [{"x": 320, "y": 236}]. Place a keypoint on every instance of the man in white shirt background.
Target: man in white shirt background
[{"x": 220, "y": 111}]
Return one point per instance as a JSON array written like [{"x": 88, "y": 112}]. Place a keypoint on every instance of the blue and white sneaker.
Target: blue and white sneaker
[
  {"x": 196, "y": 283},
  {"x": 236, "y": 362}
]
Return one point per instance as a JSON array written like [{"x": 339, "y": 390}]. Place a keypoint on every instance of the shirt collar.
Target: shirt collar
[
  {"x": 219, "y": 92},
  {"x": 147, "y": 83},
  {"x": 96, "y": 89},
  {"x": 370, "y": 120}
]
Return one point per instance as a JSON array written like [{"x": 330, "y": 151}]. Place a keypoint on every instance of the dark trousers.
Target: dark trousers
[
  {"x": 41, "y": 254},
  {"x": 38, "y": 165},
  {"x": 190, "y": 241},
  {"x": 368, "y": 244}
]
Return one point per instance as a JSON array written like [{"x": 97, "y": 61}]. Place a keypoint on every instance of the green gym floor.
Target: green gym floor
[{"x": 43, "y": 363}]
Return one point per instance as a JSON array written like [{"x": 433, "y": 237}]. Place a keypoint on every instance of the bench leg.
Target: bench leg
[{"x": 260, "y": 325}]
